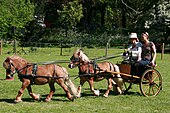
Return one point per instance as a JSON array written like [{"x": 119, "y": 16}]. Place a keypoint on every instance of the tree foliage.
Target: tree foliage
[
  {"x": 71, "y": 14},
  {"x": 14, "y": 13},
  {"x": 93, "y": 18}
]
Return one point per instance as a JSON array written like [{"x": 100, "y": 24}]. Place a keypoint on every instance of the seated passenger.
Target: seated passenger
[
  {"x": 148, "y": 51},
  {"x": 134, "y": 50}
]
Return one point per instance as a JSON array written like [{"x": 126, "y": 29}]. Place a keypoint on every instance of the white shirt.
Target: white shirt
[{"x": 136, "y": 51}]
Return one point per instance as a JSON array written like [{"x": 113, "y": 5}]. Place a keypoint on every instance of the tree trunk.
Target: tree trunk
[
  {"x": 123, "y": 9},
  {"x": 103, "y": 11},
  {"x": 123, "y": 17}
]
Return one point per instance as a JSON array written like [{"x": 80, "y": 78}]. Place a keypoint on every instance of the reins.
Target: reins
[
  {"x": 29, "y": 64},
  {"x": 60, "y": 61}
]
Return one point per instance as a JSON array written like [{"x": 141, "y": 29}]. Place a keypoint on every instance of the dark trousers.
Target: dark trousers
[{"x": 143, "y": 62}]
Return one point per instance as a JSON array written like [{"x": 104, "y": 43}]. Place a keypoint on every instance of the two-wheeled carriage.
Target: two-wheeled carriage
[{"x": 148, "y": 78}]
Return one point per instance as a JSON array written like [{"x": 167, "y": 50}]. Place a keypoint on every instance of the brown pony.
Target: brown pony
[
  {"x": 89, "y": 71},
  {"x": 30, "y": 74}
]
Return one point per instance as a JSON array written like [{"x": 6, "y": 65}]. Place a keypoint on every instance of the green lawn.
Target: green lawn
[{"x": 134, "y": 102}]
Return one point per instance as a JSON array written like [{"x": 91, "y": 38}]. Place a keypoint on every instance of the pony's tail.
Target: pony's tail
[
  {"x": 117, "y": 80},
  {"x": 71, "y": 87}
]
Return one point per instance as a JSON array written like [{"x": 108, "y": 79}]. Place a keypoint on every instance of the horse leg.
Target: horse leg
[
  {"x": 52, "y": 90},
  {"x": 82, "y": 81},
  {"x": 91, "y": 84},
  {"x": 118, "y": 80},
  {"x": 25, "y": 84},
  {"x": 33, "y": 95},
  {"x": 61, "y": 83},
  {"x": 109, "y": 87}
]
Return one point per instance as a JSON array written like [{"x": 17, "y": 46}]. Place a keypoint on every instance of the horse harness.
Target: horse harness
[
  {"x": 34, "y": 75},
  {"x": 97, "y": 70}
]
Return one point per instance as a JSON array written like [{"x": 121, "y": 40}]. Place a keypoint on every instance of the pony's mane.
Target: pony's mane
[
  {"x": 82, "y": 55},
  {"x": 18, "y": 57}
]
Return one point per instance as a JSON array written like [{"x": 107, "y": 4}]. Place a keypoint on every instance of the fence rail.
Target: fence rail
[{"x": 57, "y": 48}]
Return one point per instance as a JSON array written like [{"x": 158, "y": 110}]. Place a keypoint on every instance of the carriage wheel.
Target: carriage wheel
[
  {"x": 151, "y": 83},
  {"x": 126, "y": 86}
]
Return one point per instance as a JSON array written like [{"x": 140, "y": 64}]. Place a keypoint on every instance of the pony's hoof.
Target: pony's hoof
[
  {"x": 78, "y": 96},
  {"x": 37, "y": 97},
  {"x": 120, "y": 92},
  {"x": 72, "y": 99},
  {"x": 105, "y": 95},
  {"x": 97, "y": 92},
  {"x": 47, "y": 100},
  {"x": 17, "y": 101}
]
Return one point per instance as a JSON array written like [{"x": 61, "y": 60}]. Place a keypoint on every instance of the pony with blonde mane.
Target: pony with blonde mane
[
  {"x": 33, "y": 74},
  {"x": 92, "y": 72}
]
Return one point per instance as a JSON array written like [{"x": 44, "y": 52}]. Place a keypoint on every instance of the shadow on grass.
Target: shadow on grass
[
  {"x": 133, "y": 93},
  {"x": 42, "y": 99},
  {"x": 11, "y": 101},
  {"x": 102, "y": 91},
  {"x": 7, "y": 100},
  {"x": 86, "y": 93},
  {"x": 2, "y": 79}
]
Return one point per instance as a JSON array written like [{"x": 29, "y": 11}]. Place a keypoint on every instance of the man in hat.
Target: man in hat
[{"x": 135, "y": 48}]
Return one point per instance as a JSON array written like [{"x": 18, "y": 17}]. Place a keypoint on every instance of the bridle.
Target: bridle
[
  {"x": 75, "y": 59},
  {"x": 12, "y": 66},
  {"x": 9, "y": 68},
  {"x": 79, "y": 62},
  {"x": 74, "y": 62}
]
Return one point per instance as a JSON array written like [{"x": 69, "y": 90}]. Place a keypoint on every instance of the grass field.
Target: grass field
[{"x": 134, "y": 102}]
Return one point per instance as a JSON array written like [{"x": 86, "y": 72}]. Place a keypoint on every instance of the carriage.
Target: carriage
[{"x": 148, "y": 78}]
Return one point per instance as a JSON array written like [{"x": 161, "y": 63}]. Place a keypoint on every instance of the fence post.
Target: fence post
[
  {"x": 163, "y": 48},
  {"x": 106, "y": 53},
  {"x": 15, "y": 47},
  {"x": 61, "y": 48},
  {"x": 1, "y": 47},
  {"x": 107, "y": 45}
]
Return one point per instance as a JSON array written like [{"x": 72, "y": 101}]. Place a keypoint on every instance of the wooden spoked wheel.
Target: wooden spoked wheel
[{"x": 151, "y": 83}]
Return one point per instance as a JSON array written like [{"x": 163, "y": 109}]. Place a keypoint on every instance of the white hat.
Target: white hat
[{"x": 133, "y": 35}]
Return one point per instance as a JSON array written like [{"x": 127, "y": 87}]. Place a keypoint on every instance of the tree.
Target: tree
[
  {"x": 159, "y": 25},
  {"x": 134, "y": 11},
  {"x": 14, "y": 15},
  {"x": 71, "y": 14}
]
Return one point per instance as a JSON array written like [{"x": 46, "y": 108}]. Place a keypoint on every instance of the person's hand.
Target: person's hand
[
  {"x": 129, "y": 52},
  {"x": 138, "y": 60},
  {"x": 152, "y": 63},
  {"x": 125, "y": 53}
]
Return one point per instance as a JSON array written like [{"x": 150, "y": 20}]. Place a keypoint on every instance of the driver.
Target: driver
[{"x": 134, "y": 50}]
